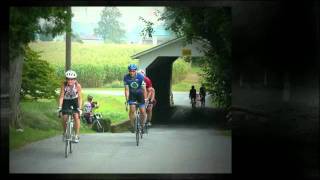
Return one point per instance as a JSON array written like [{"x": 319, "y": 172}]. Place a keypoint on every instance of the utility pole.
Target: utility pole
[{"x": 68, "y": 41}]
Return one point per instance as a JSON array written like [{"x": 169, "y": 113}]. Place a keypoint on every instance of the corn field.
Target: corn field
[{"x": 99, "y": 65}]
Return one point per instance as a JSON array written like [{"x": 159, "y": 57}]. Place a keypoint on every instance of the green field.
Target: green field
[{"x": 88, "y": 53}]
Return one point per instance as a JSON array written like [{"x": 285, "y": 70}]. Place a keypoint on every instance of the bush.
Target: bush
[
  {"x": 180, "y": 70},
  {"x": 38, "y": 78},
  {"x": 115, "y": 84}
]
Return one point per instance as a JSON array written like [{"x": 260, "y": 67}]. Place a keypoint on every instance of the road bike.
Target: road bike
[
  {"x": 69, "y": 134},
  {"x": 137, "y": 123}
]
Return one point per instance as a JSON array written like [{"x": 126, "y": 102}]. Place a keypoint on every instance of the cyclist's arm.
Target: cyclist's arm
[
  {"x": 144, "y": 91},
  {"x": 61, "y": 95},
  {"x": 126, "y": 92},
  {"x": 151, "y": 93},
  {"x": 80, "y": 96}
]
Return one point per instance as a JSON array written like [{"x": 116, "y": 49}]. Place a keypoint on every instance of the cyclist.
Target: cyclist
[
  {"x": 192, "y": 95},
  {"x": 70, "y": 95},
  {"x": 203, "y": 95},
  {"x": 135, "y": 91},
  {"x": 88, "y": 110},
  {"x": 150, "y": 97}
]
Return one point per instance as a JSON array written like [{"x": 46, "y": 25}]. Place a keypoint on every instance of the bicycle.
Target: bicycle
[
  {"x": 69, "y": 133},
  {"x": 137, "y": 123},
  {"x": 96, "y": 118},
  {"x": 95, "y": 121}
]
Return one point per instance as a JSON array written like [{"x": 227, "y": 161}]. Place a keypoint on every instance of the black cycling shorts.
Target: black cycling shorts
[
  {"x": 67, "y": 103},
  {"x": 137, "y": 97}
]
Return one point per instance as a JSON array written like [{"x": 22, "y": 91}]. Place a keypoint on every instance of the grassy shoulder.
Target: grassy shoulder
[{"x": 39, "y": 121}]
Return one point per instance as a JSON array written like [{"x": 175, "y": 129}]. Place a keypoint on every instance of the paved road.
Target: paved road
[{"x": 167, "y": 149}]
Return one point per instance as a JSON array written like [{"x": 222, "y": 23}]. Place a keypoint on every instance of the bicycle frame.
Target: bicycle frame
[
  {"x": 96, "y": 120},
  {"x": 69, "y": 133}
]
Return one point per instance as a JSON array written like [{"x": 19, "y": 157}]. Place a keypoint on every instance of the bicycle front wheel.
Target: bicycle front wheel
[
  {"x": 66, "y": 152},
  {"x": 137, "y": 131}
]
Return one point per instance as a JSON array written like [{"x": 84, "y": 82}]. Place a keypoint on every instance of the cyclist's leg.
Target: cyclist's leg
[
  {"x": 76, "y": 116},
  {"x": 143, "y": 114},
  {"x": 65, "y": 105},
  {"x": 132, "y": 109},
  {"x": 142, "y": 108},
  {"x": 76, "y": 122},
  {"x": 149, "y": 112},
  {"x": 64, "y": 122}
]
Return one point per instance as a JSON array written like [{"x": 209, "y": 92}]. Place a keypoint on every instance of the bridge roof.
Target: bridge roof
[{"x": 136, "y": 56}]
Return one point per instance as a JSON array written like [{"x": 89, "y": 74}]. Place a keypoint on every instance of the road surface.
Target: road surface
[{"x": 166, "y": 149}]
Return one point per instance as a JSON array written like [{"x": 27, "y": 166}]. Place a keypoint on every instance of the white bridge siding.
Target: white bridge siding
[{"x": 172, "y": 48}]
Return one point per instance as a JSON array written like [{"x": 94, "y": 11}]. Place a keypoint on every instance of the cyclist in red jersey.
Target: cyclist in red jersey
[{"x": 150, "y": 97}]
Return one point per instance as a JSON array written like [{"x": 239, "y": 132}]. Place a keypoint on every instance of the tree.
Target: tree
[
  {"x": 148, "y": 28},
  {"x": 109, "y": 27},
  {"x": 44, "y": 37},
  {"x": 24, "y": 24},
  {"x": 38, "y": 77},
  {"x": 213, "y": 25}
]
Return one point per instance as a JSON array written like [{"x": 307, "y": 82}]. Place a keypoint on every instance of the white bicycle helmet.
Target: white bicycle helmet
[{"x": 71, "y": 74}]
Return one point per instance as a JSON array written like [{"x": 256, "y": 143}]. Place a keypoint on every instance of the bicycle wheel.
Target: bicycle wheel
[
  {"x": 137, "y": 130},
  {"x": 72, "y": 134},
  {"x": 68, "y": 136},
  {"x": 99, "y": 126}
]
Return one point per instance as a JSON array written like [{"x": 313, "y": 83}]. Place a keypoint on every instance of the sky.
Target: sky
[{"x": 129, "y": 19}]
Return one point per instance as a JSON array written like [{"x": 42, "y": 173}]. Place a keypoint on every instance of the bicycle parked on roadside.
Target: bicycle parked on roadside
[{"x": 96, "y": 117}]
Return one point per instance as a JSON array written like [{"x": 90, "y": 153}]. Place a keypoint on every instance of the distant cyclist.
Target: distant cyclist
[
  {"x": 203, "y": 94},
  {"x": 135, "y": 91},
  {"x": 70, "y": 95},
  {"x": 192, "y": 95},
  {"x": 150, "y": 96}
]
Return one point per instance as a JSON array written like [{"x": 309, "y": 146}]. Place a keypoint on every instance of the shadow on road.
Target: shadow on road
[{"x": 200, "y": 117}]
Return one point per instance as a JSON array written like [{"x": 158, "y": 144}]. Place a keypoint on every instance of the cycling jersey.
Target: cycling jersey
[
  {"x": 193, "y": 93},
  {"x": 202, "y": 91},
  {"x": 135, "y": 83},
  {"x": 70, "y": 98},
  {"x": 88, "y": 106},
  {"x": 70, "y": 92},
  {"x": 148, "y": 82}
]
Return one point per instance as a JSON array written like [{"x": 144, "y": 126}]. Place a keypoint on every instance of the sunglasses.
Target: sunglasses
[
  {"x": 132, "y": 71},
  {"x": 69, "y": 79}
]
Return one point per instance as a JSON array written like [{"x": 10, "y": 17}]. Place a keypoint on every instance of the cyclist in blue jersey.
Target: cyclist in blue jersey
[{"x": 135, "y": 91}]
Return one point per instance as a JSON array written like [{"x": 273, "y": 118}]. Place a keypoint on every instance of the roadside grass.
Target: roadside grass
[
  {"x": 110, "y": 106},
  {"x": 39, "y": 121},
  {"x": 19, "y": 139}
]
